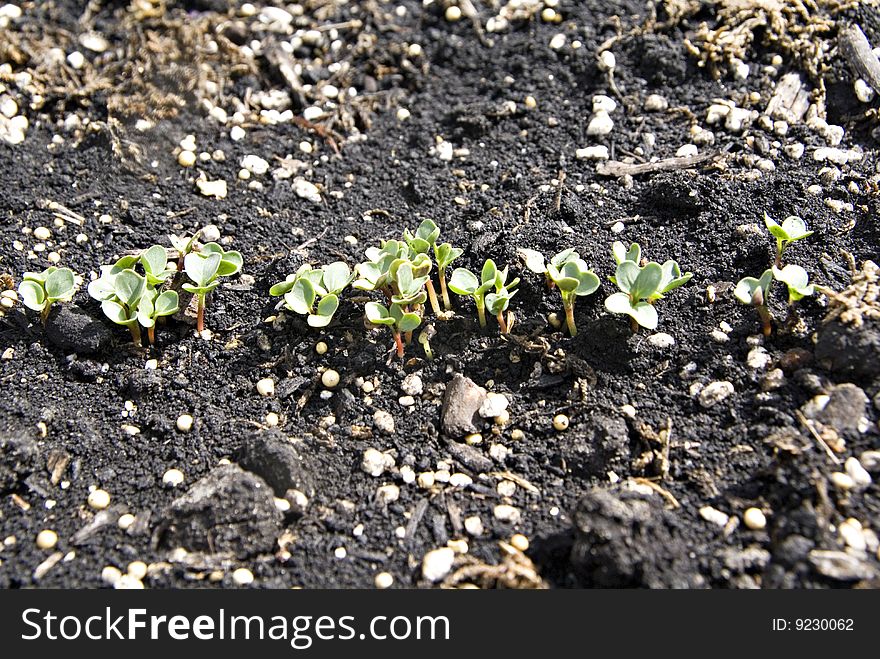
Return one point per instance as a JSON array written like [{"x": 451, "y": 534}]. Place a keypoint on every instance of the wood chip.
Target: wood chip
[{"x": 619, "y": 169}]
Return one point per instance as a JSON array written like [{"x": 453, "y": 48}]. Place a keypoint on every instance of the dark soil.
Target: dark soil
[{"x": 520, "y": 185}]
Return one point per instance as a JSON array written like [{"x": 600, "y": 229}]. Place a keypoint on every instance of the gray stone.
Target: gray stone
[
  {"x": 840, "y": 566},
  {"x": 279, "y": 462},
  {"x": 229, "y": 511},
  {"x": 469, "y": 456},
  {"x": 73, "y": 330},
  {"x": 461, "y": 405}
]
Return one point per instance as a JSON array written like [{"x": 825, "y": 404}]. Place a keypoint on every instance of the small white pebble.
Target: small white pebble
[
  {"x": 561, "y": 422},
  {"x": 271, "y": 419},
  {"x": 321, "y": 348},
  {"x": 266, "y": 387},
  {"x": 453, "y": 13},
  {"x": 111, "y": 575},
  {"x": 383, "y": 580},
  {"x": 172, "y": 478},
  {"x": 519, "y": 541},
  {"x": 330, "y": 378},
  {"x": 186, "y": 159},
  {"x": 755, "y": 519},
  {"x": 437, "y": 563},
  {"x": 473, "y": 525},
  {"x": 99, "y": 499},
  {"x": 505, "y": 513},
  {"x": 714, "y": 516},
  {"x": 137, "y": 569},
  {"x": 243, "y": 577},
  {"x": 184, "y": 422},
  {"x": 125, "y": 521},
  {"x": 842, "y": 481},
  {"x": 47, "y": 539},
  {"x": 42, "y": 233}
]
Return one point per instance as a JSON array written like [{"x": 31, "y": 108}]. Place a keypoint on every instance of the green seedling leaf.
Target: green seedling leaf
[
  {"x": 167, "y": 304},
  {"x": 32, "y": 294},
  {"x": 368, "y": 275},
  {"x": 378, "y": 314},
  {"x": 326, "y": 308},
  {"x": 672, "y": 278},
  {"x": 796, "y": 280},
  {"x": 647, "y": 283},
  {"x": 642, "y": 312},
  {"x": 756, "y": 292},
  {"x": 336, "y": 276},
  {"x": 60, "y": 285},
  {"x": 489, "y": 272},
  {"x": 155, "y": 262},
  {"x": 463, "y": 282},
  {"x": 564, "y": 283},
  {"x": 445, "y": 254},
  {"x": 534, "y": 260},
  {"x": 202, "y": 269},
  {"x": 498, "y": 303},
  {"x": 39, "y": 277},
  {"x": 117, "y": 313},
  {"x": 182, "y": 244},
  {"x": 408, "y": 322},
  {"x": 129, "y": 286},
  {"x": 621, "y": 253},
  {"x": 587, "y": 281},
  {"x": 626, "y": 274},
  {"x": 283, "y": 287},
  {"x": 301, "y": 298},
  {"x": 564, "y": 257},
  {"x": 428, "y": 231}
]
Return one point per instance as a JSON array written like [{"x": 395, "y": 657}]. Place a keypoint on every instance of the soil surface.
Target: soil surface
[{"x": 672, "y": 434}]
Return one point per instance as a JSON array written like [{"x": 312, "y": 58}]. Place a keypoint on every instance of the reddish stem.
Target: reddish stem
[{"x": 398, "y": 342}]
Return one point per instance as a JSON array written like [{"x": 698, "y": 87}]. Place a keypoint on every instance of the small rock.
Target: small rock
[
  {"x": 687, "y": 151},
  {"x": 493, "y": 405},
  {"x": 474, "y": 526},
  {"x": 210, "y": 233},
  {"x": 602, "y": 103},
  {"x": 714, "y": 516},
  {"x": 375, "y": 463},
  {"x": 383, "y": 422},
  {"x": 437, "y": 564},
  {"x": 173, "y": 478},
  {"x": 242, "y": 577},
  {"x": 461, "y": 404},
  {"x": 412, "y": 385},
  {"x": 19, "y": 457},
  {"x": 99, "y": 499},
  {"x": 841, "y": 566},
  {"x": 836, "y": 156},
  {"x": 505, "y": 513},
  {"x": 593, "y": 153},
  {"x": 388, "y": 493},
  {"x": 870, "y": 460},
  {"x": 468, "y": 456},
  {"x": 306, "y": 190},
  {"x": 216, "y": 189},
  {"x": 758, "y": 358},
  {"x": 860, "y": 476},
  {"x": 843, "y": 408},
  {"x": 47, "y": 539},
  {"x": 661, "y": 340},
  {"x": 755, "y": 519},
  {"x": 600, "y": 125},
  {"x": 266, "y": 387},
  {"x": 656, "y": 103},
  {"x": 255, "y": 165},
  {"x": 184, "y": 423},
  {"x": 383, "y": 580},
  {"x": 850, "y": 532},
  {"x": 715, "y": 392}
]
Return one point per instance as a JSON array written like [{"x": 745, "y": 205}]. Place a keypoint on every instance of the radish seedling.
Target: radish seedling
[
  {"x": 535, "y": 262},
  {"x": 40, "y": 290},
  {"x": 574, "y": 279},
  {"x": 641, "y": 286},
  {"x": 310, "y": 285},
  {"x": 465, "y": 283},
  {"x": 183, "y": 246},
  {"x": 792, "y": 229},
  {"x": 203, "y": 268},
  {"x": 756, "y": 292}
]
